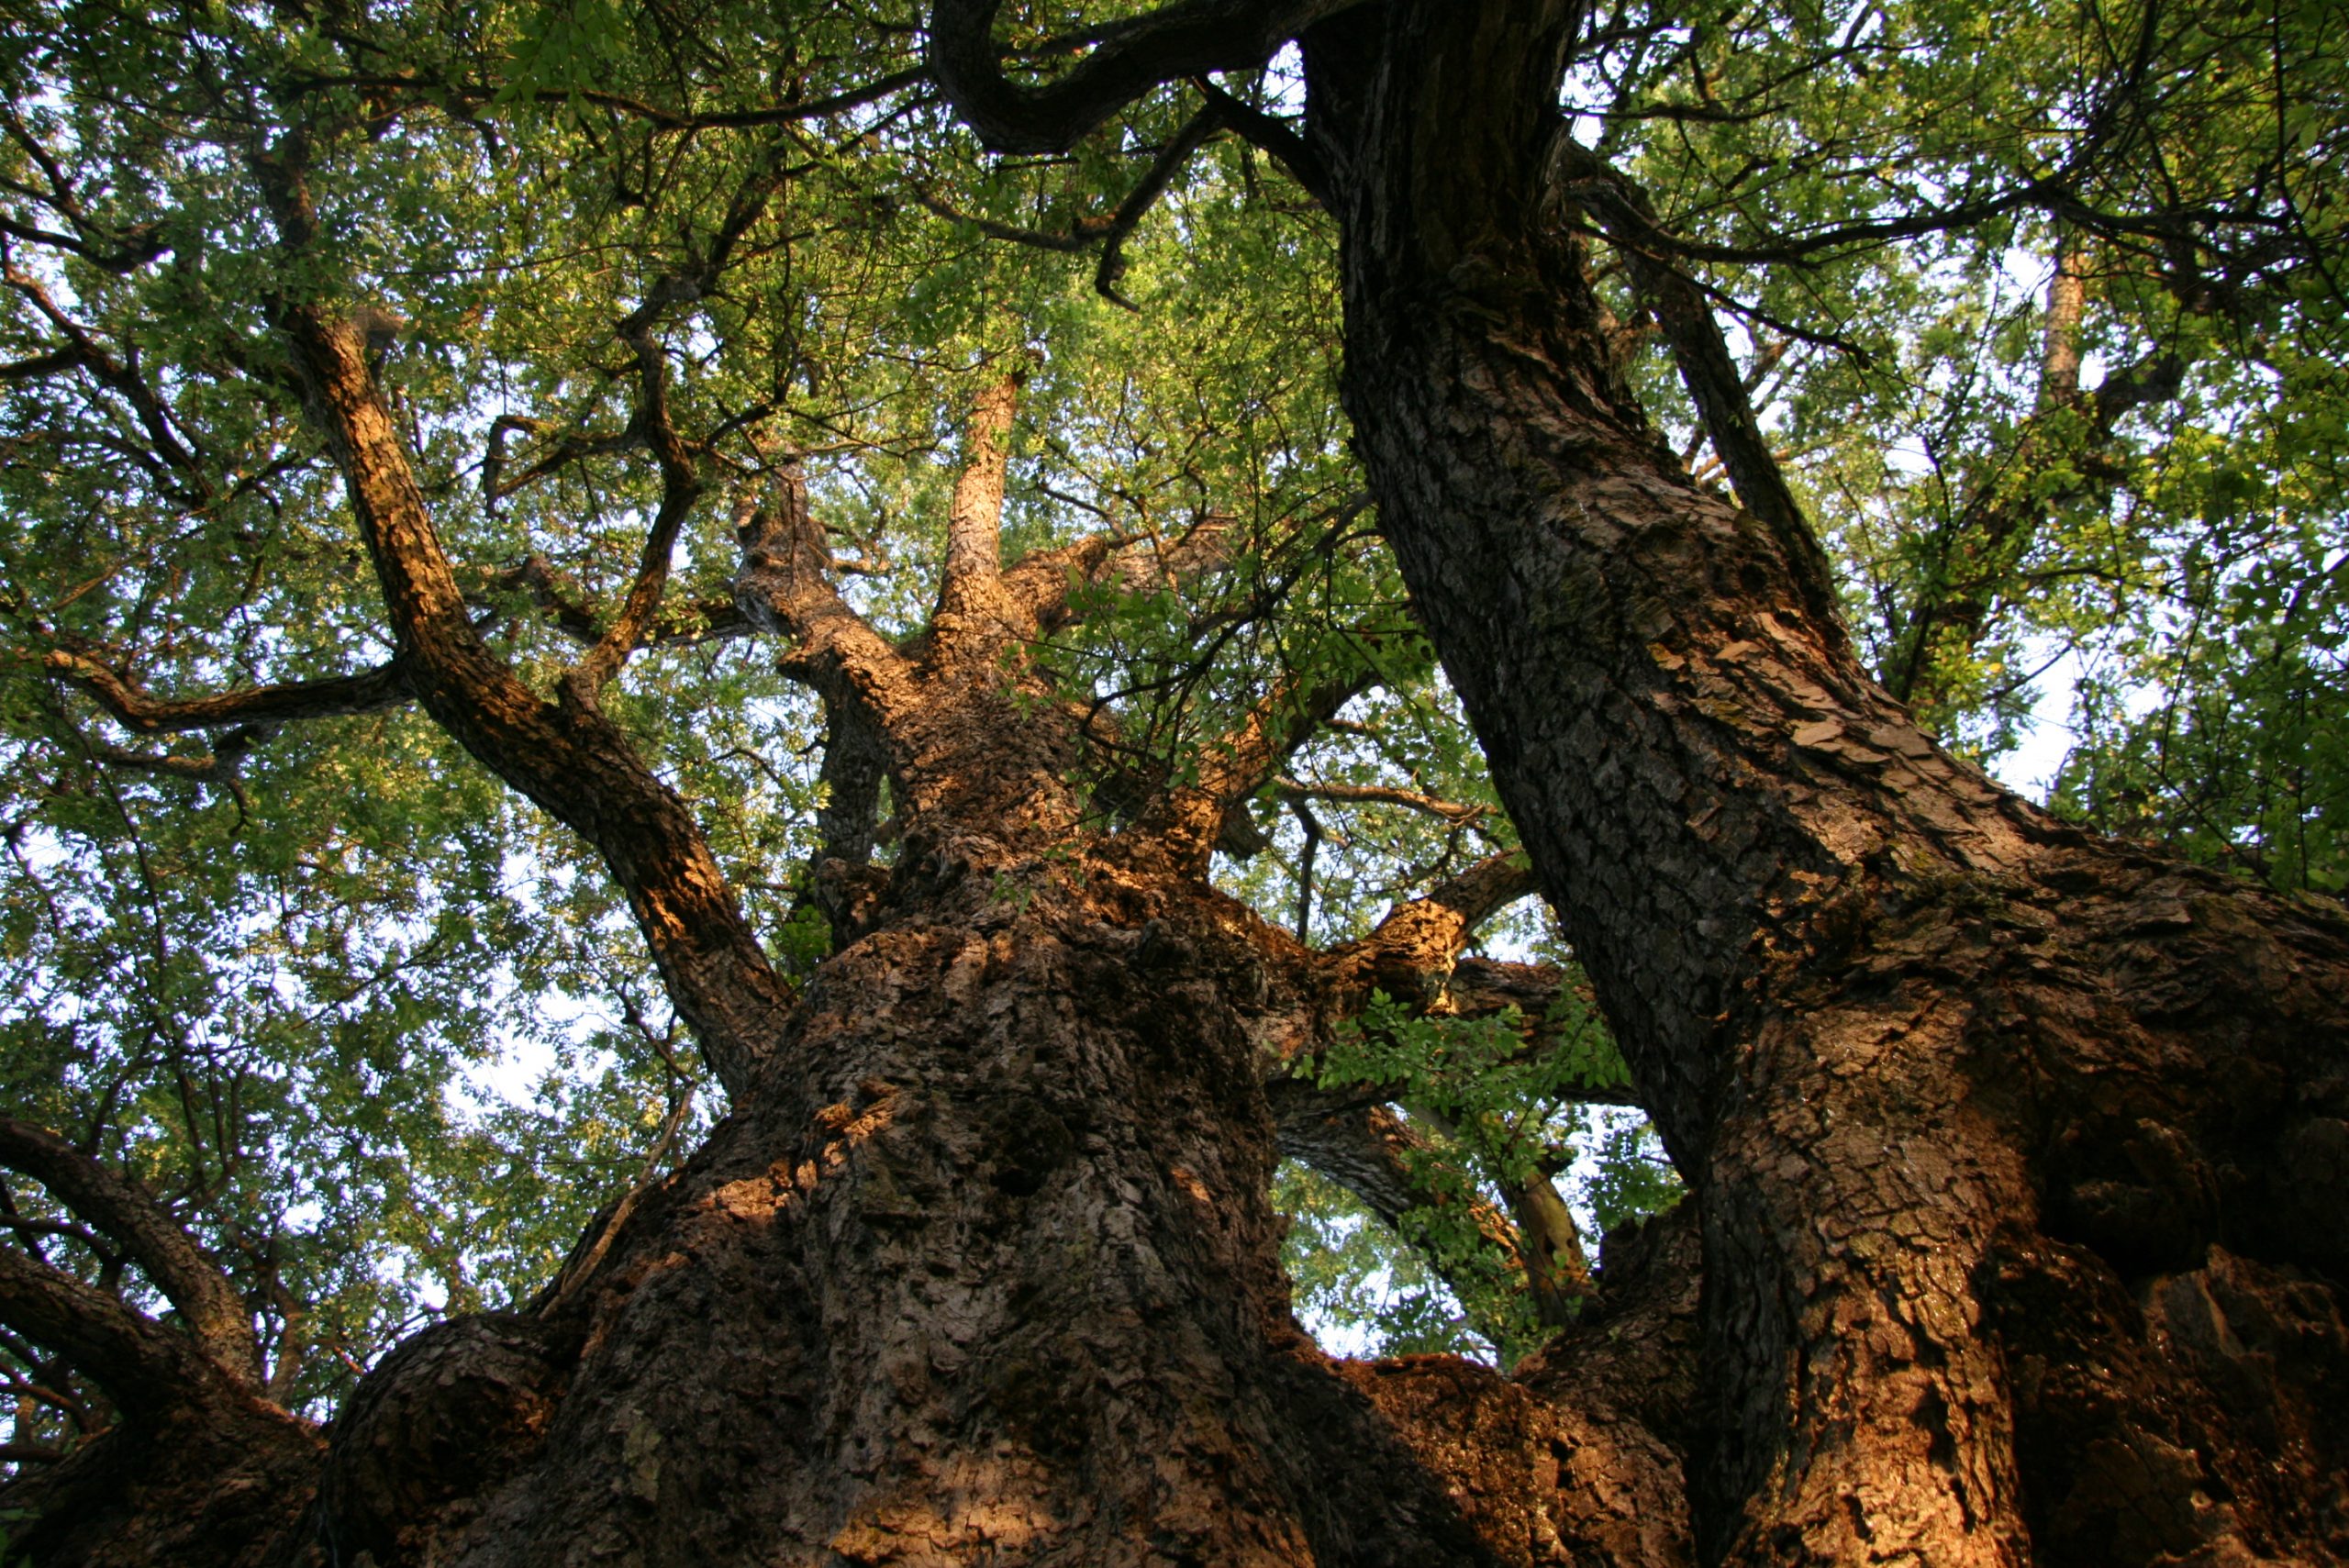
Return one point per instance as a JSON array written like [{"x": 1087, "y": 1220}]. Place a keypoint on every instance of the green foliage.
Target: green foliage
[
  {"x": 1362, "y": 1289},
  {"x": 1493, "y": 1114}
]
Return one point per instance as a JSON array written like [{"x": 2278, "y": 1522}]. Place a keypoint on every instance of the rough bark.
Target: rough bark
[
  {"x": 984, "y": 1270},
  {"x": 1958, "y": 1088},
  {"x": 986, "y": 1274}
]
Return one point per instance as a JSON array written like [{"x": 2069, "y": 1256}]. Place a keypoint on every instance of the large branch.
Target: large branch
[
  {"x": 1046, "y": 586},
  {"x": 785, "y": 586},
  {"x": 1549, "y": 1248},
  {"x": 1363, "y": 1146},
  {"x": 287, "y": 702},
  {"x": 1707, "y": 369},
  {"x": 1412, "y": 954},
  {"x": 215, "y": 1315},
  {"x": 147, "y": 1369},
  {"x": 1196, "y": 818},
  {"x": 842, "y": 882},
  {"x": 1190, "y": 38},
  {"x": 1380, "y": 1158},
  {"x": 1268, "y": 133},
  {"x": 973, "y": 614},
  {"x": 567, "y": 756}
]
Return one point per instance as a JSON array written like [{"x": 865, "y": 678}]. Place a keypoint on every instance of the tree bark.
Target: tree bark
[
  {"x": 989, "y": 1276},
  {"x": 1968, "y": 1099},
  {"x": 984, "y": 1270}
]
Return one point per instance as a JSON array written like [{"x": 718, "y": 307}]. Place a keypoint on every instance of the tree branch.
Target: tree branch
[
  {"x": 147, "y": 1369},
  {"x": 1196, "y": 132},
  {"x": 566, "y": 756},
  {"x": 433, "y": 89},
  {"x": 705, "y": 620},
  {"x": 1707, "y": 371},
  {"x": 1082, "y": 234},
  {"x": 1189, "y": 38},
  {"x": 1044, "y": 586},
  {"x": 681, "y": 484},
  {"x": 1193, "y": 819},
  {"x": 1411, "y": 955},
  {"x": 856, "y": 760},
  {"x": 973, "y": 616},
  {"x": 1453, "y": 811},
  {"x": 2067, "y": 295},
  {"x": 369, "y": 692},
  {"x": 1276, "y": 137},
  {"x": 1245, "y": 757},
  {"x": 215, "y": 1315},
  {"x": 154, "y": 417},
  {"x": 681, "y": 487},
  {"x": 1975, "y": 552},
  {"x": 785, "y": 586},
  {"x": 1380, "y": 1158}
]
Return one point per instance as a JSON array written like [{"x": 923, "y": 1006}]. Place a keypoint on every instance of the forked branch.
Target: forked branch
[
  {"x": 1383, "y": 1159},
  {"x": 113, "y": 1203}
]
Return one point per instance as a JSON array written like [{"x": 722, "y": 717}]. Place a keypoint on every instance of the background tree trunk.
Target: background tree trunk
[{"x": 1985, "y": 1119}]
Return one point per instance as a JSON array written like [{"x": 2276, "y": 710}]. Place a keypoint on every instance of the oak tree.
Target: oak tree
[{"x": 810, "y": 561}]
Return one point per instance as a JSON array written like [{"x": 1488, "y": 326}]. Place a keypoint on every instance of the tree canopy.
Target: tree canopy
[{"x": 2035, "y": 314}]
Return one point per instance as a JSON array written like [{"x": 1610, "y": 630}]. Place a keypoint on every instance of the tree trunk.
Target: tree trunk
[
  {"x": 990, "y": 1275},
  {"x": 2020, "y": 1159},
  {"x": 2021, "y": 1156}
]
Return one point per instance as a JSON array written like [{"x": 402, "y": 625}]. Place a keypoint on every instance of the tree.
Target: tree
[{"x": 2017, "y": 1154}]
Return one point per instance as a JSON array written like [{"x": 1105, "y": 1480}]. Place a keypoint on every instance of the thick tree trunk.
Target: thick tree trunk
[
  {"x": 990, "y": 1275},
  {"x": 2022, "y": 1157}
]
